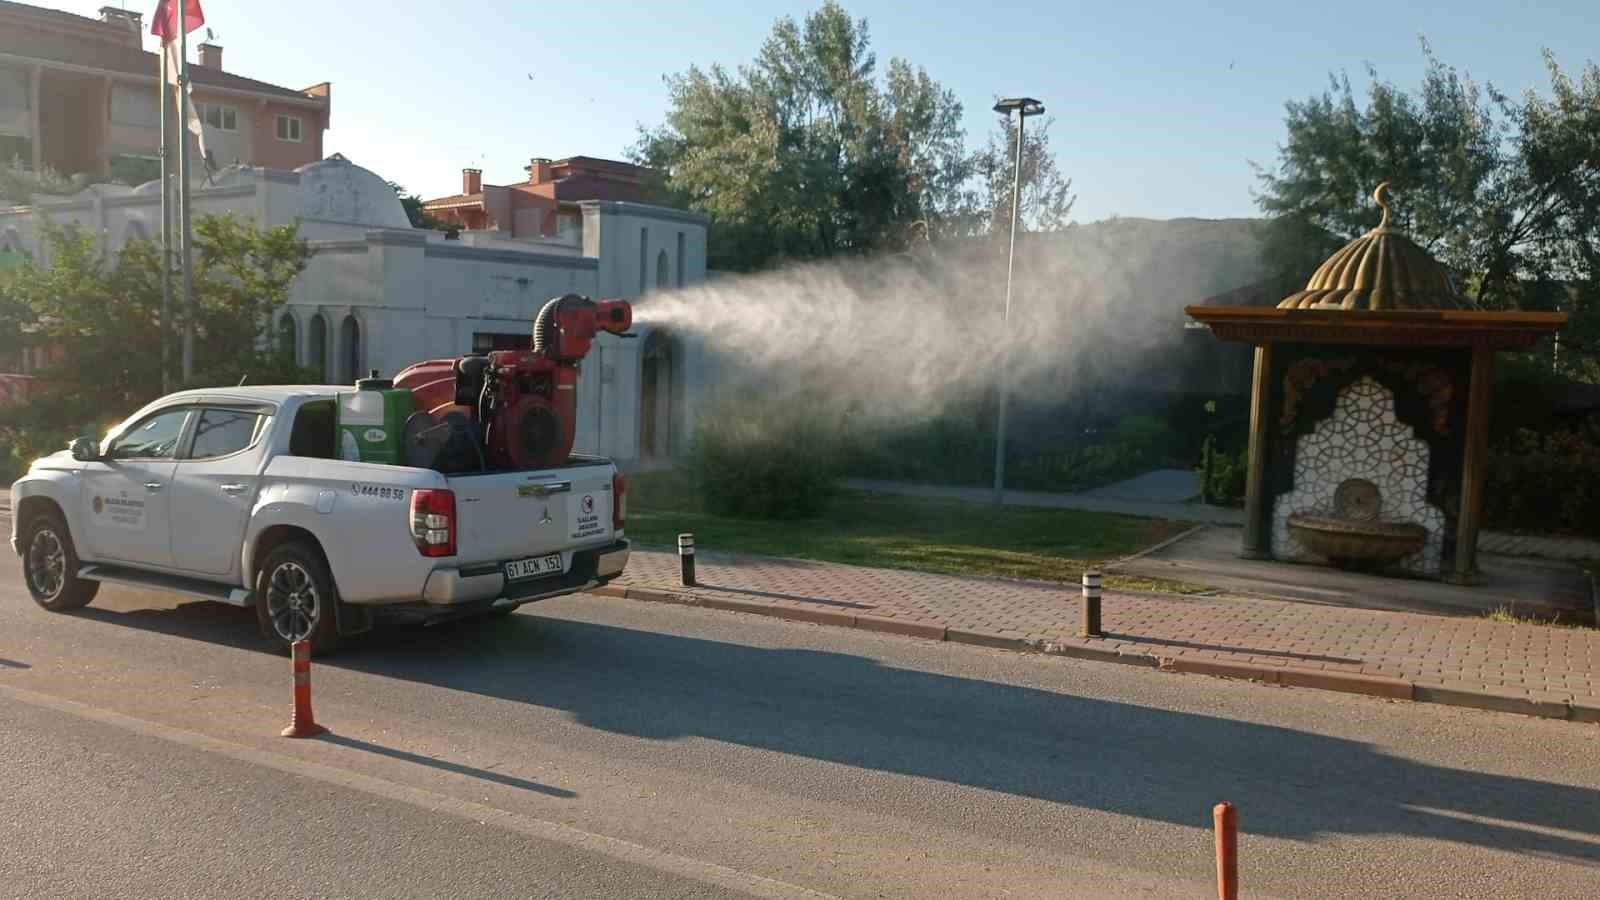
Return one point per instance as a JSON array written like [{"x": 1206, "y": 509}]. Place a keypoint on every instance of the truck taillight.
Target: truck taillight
[
  {"x": 433, "y": 521},
  {"x": 619, "y": 502}
]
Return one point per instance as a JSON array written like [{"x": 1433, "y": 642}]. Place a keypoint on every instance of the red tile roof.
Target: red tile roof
[
  {"x": 48, "y": 44},
  {"x": 454, "y": 200}
]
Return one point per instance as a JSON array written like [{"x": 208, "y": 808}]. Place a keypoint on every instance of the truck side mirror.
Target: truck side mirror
[{"x": 84, "y": 449}]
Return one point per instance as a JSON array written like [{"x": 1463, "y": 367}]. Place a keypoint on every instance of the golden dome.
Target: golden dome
[{"x": 1381, "y": 270}]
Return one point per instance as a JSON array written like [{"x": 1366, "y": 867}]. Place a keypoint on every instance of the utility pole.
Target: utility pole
[
  {"x": 183, "y": 202},
  {"x": 1025, "y": 107},
  {"x": 166, "y": 236}
]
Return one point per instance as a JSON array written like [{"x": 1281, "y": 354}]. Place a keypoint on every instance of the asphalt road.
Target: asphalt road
[{"x": 607, "y": 748}]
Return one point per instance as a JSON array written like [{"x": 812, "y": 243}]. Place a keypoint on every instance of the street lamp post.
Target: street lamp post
[{"x": 1024, "y": 107}]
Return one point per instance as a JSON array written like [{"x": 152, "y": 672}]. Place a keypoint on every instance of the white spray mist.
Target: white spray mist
[{"x": 909, "y": 335}]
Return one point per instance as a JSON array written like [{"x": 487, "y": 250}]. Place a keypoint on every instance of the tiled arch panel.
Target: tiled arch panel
[{"x": 1362, "y": 439}]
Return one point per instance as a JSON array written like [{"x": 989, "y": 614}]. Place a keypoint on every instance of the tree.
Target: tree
[
  {"x": 1503, "y": 191},
  {"x": 1047, "y": 198},
  {"x": 412, "y": 203},
  {"x": 803, "y": 154},
  {"x": 106, "y": 312},
  {"x": 1558, "y": 149}
]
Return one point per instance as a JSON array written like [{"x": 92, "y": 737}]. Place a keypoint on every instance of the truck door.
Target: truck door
[
  {"x": 214, "y": 487},
  {"x": 126, "y": 511}
]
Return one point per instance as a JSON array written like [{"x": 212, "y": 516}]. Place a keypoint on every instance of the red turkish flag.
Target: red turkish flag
[{"x": 164, "y": 24}]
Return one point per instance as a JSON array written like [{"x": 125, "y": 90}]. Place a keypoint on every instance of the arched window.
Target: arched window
[
  {"x": 317, "y": 352},
  {"x": 288, "y": 347},
  {"x": 350, "y": 350},
  {"x": 657, "y": 388},
  {"x": 662, "y": 273}
]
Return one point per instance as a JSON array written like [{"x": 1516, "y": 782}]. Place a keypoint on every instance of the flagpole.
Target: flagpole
[
  {"x": 183, "y": 197},
  {"x": 166, "y": 237}
]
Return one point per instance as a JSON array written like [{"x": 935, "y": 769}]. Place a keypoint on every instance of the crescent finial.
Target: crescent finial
[{"x": 1380, "y": 194}]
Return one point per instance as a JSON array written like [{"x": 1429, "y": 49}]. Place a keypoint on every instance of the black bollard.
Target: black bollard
[
  {"x": 686, "y": 558},
  {"x": 1091, "y": 603}
]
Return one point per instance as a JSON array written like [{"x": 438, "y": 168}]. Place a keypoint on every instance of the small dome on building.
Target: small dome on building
[
  {"x": 337, "y": 190},
  {"x": 1381, "y": 270}
]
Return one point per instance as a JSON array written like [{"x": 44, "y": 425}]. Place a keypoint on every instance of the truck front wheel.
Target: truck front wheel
[
  {"x": 295, "y": 598},
  {"x": 50, "y": 565}
]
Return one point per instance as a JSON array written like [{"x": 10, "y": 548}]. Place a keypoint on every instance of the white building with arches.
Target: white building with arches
[{"x": 379, "y": 294}]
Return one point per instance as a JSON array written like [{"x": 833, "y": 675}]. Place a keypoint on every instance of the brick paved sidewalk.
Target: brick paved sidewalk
[{"x": 1532, "y": 669}]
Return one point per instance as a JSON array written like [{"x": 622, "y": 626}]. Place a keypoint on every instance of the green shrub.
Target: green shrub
[
  {"x": 770, "y": 462},
  {"x": 950, "y": 449},
  {"x": 19, "y": 447},
  {"x": 1222, "y": 475},
  {"x": 958, "y": 448},
  {"x": 1545, "y": 482}
]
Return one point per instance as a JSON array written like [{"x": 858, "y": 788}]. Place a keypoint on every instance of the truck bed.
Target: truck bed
[{"x": 513, "y": 515}]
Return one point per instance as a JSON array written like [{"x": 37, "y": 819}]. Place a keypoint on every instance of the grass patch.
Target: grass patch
[
  {"x": 1508, "y": 615},
  {"x": 894, "y": 532}
]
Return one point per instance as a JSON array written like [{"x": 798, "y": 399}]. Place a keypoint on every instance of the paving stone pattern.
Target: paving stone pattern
[{"x": 1521, "y": 662}]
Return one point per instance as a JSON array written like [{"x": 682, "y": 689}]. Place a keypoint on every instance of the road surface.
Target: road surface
[{"x": 588, "y": 747}]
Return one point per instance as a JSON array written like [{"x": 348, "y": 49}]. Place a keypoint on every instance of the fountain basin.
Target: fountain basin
[{"x": 1352, "y": 542}]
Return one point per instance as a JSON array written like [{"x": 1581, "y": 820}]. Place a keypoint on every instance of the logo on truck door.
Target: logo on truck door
[{"x": 119, "y": 512}]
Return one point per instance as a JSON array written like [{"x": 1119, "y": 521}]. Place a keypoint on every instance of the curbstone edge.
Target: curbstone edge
[
  {"x": 1287, "y": 676},
  {"x": 1510, "y": 703},
  {"x": 900, "y": 626},
  {"x": 1372, "y": 685},
  {"x": 1219, "y": 669},
  {"x": 1579, "y": 711},
  {"x": 984, "y": 639},
  {"x": 1101, "y": 654}
]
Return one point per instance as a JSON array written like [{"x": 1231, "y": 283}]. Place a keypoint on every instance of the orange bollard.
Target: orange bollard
[
  {"x": 1226, "y": 819},
  {"x": 302, "y": 724}
]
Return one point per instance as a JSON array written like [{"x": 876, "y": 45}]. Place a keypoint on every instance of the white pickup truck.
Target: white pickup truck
[{"x": 236, "y": 495}]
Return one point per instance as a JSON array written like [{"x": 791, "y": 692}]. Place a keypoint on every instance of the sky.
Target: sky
[{"x": 1158, "y": 108}]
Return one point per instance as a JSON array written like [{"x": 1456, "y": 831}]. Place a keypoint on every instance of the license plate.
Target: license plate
[{"x": 533, "y": 567}]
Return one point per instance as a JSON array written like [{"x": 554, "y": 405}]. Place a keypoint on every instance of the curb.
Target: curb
[{"x": 1090, "y": 649}]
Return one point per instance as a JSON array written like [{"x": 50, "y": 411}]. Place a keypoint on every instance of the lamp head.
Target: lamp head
[{"x": 1027, "y": 106}]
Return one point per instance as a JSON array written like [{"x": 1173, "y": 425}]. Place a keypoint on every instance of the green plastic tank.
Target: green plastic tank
[{"x": 371, "y": 419}]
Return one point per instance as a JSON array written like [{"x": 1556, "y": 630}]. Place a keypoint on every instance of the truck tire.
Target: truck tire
[
  {"x": 296, "y": 599},
  {"x": 50, "y": 565}
]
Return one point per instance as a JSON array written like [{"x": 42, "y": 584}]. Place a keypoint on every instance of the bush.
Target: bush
[
  {"x": 1546, "y": 482},
  {"x": 950, "y": 449},
  {"x": 1222, "y": 475},
  {"x": 19, "y": 447},
  {"x": 764, "y": 462},
  {"x": 955, "y": 449}
]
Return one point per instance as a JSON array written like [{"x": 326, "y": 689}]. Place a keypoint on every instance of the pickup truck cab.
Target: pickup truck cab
[{"x": 237, "y": 495}]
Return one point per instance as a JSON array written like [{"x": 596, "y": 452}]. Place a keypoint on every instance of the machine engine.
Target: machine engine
[{"x": 508, "y": 409}]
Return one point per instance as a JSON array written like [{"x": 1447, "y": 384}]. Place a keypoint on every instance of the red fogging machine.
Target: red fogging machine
[{"x": 508, "y": 409}]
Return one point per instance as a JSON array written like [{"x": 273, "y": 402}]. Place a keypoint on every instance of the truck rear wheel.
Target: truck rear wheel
[
  {"x": 50, "y": 565},
  {"x": 296, "y": 599}
]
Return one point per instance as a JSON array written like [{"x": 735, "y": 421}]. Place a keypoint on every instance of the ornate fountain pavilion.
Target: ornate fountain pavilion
[{"x": 1369, "y": 410}]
